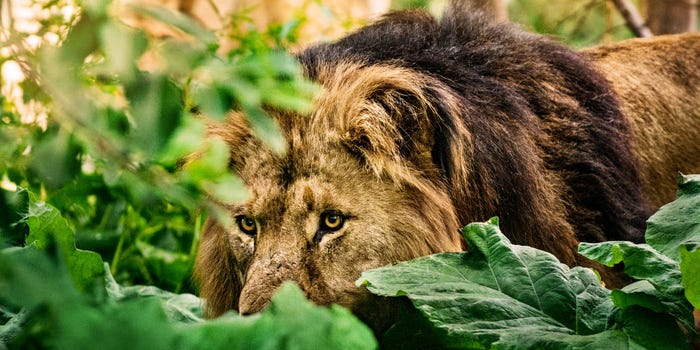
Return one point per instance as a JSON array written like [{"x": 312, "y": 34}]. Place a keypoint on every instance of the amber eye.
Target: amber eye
[
  {"x": 247, "y": 225},
  {"x": 332, "y": 221}
]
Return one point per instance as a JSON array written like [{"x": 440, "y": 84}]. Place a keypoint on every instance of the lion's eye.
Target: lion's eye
[
  {"x": 332, "y": 221},
  {"x": 247, "y": 225}
]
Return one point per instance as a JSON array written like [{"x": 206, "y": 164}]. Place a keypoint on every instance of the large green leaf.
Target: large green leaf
[
  {"x": 675, "y": 231},
  {"x": 660, "y": 287},
  {"x": 156, "y": 104},
  {"x": 677, "y": 223},
  {"x": 55, "y": 160},
  {"x": 507, "y": 296},
  {"x": 30, "y": 277},
  {"x": 178, "y": 307},
  {"x": 46, "y": 225},
  {"x": 661, "y": 268},
  {"x": 291, "y": 322}
]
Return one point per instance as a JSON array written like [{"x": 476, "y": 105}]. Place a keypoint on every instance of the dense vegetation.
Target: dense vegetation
[{"x": 99, "y": 228}]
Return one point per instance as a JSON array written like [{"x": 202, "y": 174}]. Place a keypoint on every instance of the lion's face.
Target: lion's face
[
  {"x": 337, "y": 203},
  {"x": 321, "y": 225}
]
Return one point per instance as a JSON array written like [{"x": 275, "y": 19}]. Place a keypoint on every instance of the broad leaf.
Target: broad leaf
[
  {"x": 156, "y": 104},
  {"x": 662, "y": 289},
  {"x": 677, "y": 223},
  {"x": 503, "y": 295},
  {"x": 290, "y": 322},
  {"x": 46, "y": 225},
  {"x": 668, "y": 264},
  {"x": 178, "y": 307},
  {"x": 30, "y": 277}
]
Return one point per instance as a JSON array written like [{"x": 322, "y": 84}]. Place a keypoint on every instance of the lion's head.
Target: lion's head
[{"x": 358, "y": 188}]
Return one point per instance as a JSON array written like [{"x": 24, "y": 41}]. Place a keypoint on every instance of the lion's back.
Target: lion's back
[
  {"x": 658, "y": 83},
  {"x": 547, "y": 133}
]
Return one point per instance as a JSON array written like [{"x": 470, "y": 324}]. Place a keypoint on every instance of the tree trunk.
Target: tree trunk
[{"x": 671, "y": 16}]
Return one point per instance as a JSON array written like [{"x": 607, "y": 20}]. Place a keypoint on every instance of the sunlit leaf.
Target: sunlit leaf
[
  {"x": 156, "y": 106},
  {"x": 46, "y": 225},
  {"x": 56, "y": 160}
]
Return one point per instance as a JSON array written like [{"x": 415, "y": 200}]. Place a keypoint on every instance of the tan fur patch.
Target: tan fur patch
[{"x": 656, "y": 80}]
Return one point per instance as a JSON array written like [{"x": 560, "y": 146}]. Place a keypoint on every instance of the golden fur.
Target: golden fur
[{"x": 657, "y": 82}]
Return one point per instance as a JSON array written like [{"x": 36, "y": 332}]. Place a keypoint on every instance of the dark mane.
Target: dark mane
[{"x": 513, "y": 86}]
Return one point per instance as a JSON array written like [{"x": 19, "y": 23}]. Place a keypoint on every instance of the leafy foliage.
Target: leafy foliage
[
  {"x": 116, "y": 130},
  {"x": 44, "y": 307},
  {"x": 677, "y": 224},
  {"x": 500, "y": 295},
  {"x": 507, "y": 296}
]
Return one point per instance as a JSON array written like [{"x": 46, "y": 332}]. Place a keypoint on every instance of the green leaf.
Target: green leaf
[
  {"x": 55, "y": 159},
  {"x": 214, "y": 102},
  {"x": 30, "y": 277},
  {"x": 503, "y": 295},
  {"x": 290, "y": 322},
  {"x": 139, "y": 322},
  {"x": 677, "y": 223},
  {"x": 170, "y": 266},
  {"x": 46, "y": 225},
  {"x": 186, "y": 308},
  {"x": 157, "y": 107},
  {"x": 122, "y": 48},
  {"x": 13, "y": 326},
  {"x": 651, "y": 330},
  {"x": 267, "y": 130},
  {"x": 211, "y": 163},
  {"x": 184, "y": 141},
  {"x": 643, "y": 262},
  {"x": 640, "y": 293},
  {"x": 227, "y": 189},
  {"x": 690, "y": 274}
]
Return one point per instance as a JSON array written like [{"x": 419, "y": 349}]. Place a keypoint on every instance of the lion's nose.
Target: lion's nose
[
  {"x": 252, "y": 302},
  {"x": 264, "y": 277}
]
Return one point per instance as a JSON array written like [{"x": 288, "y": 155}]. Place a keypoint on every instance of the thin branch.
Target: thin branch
[{"x": 634, "y": 20}]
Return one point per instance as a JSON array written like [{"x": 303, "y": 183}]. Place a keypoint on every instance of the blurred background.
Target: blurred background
[{"x": 579, "y": 23}]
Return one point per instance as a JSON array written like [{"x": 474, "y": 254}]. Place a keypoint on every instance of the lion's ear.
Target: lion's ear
[
  {"x": 392, "y": 125},
  {"x": 402, "y": 121}
]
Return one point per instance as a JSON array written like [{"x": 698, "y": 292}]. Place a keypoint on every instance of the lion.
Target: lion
[{"x": 425, "y": 125}]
